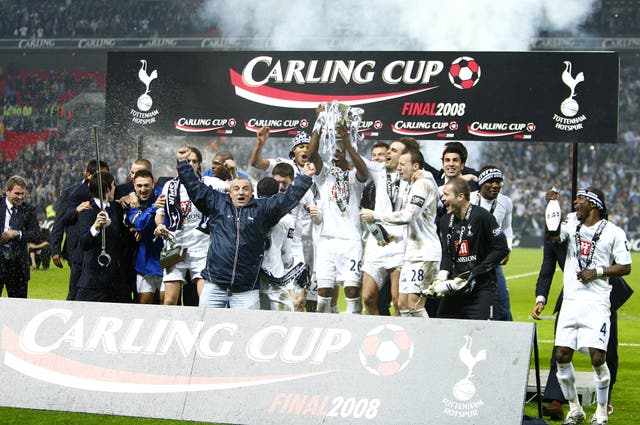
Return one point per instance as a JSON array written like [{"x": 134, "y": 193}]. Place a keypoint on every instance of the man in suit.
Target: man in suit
[
  {"x": 20, "y": 226},
  {"x": 100, "y": 268},
  {"x": 73, "y": 199}
]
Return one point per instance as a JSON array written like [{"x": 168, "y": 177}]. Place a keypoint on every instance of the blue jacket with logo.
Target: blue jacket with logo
[
  {"x": 149, "y": 247},
  {"x": 237, "y": 235}
]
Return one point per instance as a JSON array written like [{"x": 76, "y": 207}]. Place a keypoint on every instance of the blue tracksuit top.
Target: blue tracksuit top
[
  {"x": 237, "y": 235},
  {"x": 148, "y": 252}
]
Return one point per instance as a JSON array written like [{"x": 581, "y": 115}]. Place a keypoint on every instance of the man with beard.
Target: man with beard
[
  {"x": 382, "y": 261},
  {"x": 179, "y": 219},
  {"x": 422, "y": 252},
  {"x": 140, "y": 215}
]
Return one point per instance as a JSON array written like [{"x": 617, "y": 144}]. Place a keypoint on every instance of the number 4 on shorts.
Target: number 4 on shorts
[{"x": 603, "y": 329}]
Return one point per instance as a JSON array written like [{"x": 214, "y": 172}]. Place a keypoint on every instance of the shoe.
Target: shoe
[
  {"x": 575, "y": 417},
  {"x": 595, "y": 421},
  {"x": 609, "y": 409},
  {"x": 553, "y": 410}
]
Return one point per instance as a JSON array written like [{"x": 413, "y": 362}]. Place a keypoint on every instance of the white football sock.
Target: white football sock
[
  {"x": 324, "y": 304},
  {"x": 421, "y": 312},
  {"x": 602, "y": 378},
  {"x": 353, "y": 305},
  {"x": 567, "y": 380}
]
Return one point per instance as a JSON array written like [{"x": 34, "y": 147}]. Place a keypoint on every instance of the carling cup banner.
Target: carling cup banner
[
  {"x": 493, "y": 96},
  {"x": 261, "y": 367}
]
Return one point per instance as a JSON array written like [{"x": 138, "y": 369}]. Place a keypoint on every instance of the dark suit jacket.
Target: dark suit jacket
[
  {"x": 79, "y": 195},
  {"x": 26, "y": 221},
  {"x": 93, "y": 274},
  {"x": 66, "y": 221}
]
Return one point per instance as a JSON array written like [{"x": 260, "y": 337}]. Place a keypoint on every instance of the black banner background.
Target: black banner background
[{"x": 517, "y": 97}]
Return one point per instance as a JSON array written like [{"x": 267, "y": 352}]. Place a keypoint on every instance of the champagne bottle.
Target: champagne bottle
[{"x": 378, "y": 232}]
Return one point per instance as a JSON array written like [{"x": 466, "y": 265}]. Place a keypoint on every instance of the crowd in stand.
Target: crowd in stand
[
  {"x": 170, "y": 18},
  {"x": 530, "y": 169},
  {"x": 94, "y": 18},
  {"x": 33, "y": 102},
  {"x": 36, "y": 101}
]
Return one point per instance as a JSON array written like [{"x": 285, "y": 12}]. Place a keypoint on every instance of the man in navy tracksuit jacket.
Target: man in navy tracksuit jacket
[{"x": 238, "y": 225}]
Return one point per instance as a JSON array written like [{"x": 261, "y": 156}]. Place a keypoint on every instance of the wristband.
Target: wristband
[{"x": 599, "y": 271}]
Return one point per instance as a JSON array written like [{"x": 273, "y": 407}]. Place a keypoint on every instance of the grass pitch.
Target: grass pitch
[{"x": 521, "y": 272}]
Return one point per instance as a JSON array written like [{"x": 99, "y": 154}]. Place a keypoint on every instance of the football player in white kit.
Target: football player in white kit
[
  {"x": 380, "y": 260},
  {"x": 596, "y": 250},
  {"x": 339, "y": 249},
  {"x": 275, "y": 294},
  {"x": 423, "y": 251},
  {"x": 298, "y": 156}
]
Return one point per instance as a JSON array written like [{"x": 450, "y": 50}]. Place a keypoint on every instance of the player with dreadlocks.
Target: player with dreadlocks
[{"x": 597, "y": 250}]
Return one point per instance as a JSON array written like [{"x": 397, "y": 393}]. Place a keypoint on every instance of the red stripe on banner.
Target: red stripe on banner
[{"x": 279, "y": 94}]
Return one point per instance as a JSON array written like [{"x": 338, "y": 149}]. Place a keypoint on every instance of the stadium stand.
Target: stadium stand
[{"x": 47, "y": 113}]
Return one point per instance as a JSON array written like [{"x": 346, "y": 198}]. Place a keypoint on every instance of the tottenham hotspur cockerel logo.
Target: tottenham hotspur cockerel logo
[{"x": 144, "y": 101}]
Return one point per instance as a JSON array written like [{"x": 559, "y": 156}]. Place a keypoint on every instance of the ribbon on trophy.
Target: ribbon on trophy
[{"x": 334, "y": 114}]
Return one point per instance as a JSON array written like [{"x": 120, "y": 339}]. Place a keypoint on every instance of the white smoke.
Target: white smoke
[
  {"x": 451, "y": 25},
  {"x": 396, "y": 25}
]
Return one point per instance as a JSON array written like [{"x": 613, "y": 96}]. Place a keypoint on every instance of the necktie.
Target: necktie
[{"x": 13, "y": 217}]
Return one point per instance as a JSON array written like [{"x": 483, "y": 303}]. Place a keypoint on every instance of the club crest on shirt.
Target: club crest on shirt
[
  {"x": 338, "y": 192},
  {"x": 184, "y": 207},
  {"x": 585, "y": 248},
  {"x": 462, "y": 247}
]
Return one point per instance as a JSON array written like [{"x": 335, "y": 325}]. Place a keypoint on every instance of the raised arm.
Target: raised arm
[
  {"x": 362, "y": 172},
  {"x": 202, "y": 196},
  {"x": 314, "y": 145},
  {"x": 256, "y": 159}
]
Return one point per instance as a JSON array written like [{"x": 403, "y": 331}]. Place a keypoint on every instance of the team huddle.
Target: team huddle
[
  {"x": 433, "y": 240},
  {"x": 391, "y": 232}
]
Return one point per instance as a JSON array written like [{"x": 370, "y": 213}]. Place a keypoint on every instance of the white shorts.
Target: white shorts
[
  {"x": 148, "y": 283},
  {"x": 194, "y": 263},
  {"x": 338, "y": 260},
  {"x": 417, "y": 275},
  {"x": 583, "y": 324},
  {"x": 275, "y": 298},
  {"x": 378, "y": 259}
]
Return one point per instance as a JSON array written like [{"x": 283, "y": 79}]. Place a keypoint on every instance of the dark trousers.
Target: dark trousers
[
  {"x": 93, "y": 294},
  {"x": 12, "y": 276},
  {"x": 75, "y": 270},
  {"x": 480, "y": 304}
]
